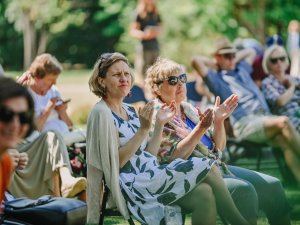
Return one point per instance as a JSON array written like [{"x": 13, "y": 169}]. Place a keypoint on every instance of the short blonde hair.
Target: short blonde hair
[
  {"x": 267, "y": 55},
  {"x": 159, "y": 71},
  {"x": 103, "y": 63}
]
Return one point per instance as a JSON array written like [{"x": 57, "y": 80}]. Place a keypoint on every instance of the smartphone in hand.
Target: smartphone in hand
[{"x": 66, "y": 101}]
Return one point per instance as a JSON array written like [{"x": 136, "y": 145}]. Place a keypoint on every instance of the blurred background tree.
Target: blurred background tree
[
  {"x": 38, "y": 19},
  {"x": 77, "y": 31}
]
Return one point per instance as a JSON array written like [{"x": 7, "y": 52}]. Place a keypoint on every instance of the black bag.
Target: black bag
[{"x": 47, "y": 211}]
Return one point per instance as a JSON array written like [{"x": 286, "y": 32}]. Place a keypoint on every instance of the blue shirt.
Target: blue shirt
[
  {"x": 204, "y": 139},
  {"x": 239, "y": 82}
]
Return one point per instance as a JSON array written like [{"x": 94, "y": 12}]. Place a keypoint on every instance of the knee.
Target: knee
[
  {"x": 244, "y": 191},
  {"x": 283, "y": 122},
  {"x": 203, "y": 194}
]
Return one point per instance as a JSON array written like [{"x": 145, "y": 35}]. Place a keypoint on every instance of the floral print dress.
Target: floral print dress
[{"x": 147, "y": 186}]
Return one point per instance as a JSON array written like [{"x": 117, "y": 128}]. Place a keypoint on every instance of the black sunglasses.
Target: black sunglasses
[
  {"x": 173, "y": 80},
  {"x": 229, "y": 55},
  {"x": 275, "y": 60},
  {"x": 7, "y": 115},
  {"x": 103, "y": 57}
]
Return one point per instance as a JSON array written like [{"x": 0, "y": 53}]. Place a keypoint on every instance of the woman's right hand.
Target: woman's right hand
[
  {"x": 145, "y": 116},
  {"x": 52, "y": 103},
  {"x": 24, "y": 79}
]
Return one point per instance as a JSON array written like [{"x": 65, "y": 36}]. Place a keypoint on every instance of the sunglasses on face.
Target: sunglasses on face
[
  {"x": 276, "y": 59},
  {"x": 103, "y": 57},
  {"x": 7, "y": 116},
  {"x": 173, "y": 80},
  {"x": 229, "y": 56}
]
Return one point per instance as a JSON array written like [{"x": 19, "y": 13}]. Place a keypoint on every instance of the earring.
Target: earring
[{"x": 129, "y": 94}]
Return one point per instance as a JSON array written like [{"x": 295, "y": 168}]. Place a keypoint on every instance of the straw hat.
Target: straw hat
[{"x": 223, "y": 46}]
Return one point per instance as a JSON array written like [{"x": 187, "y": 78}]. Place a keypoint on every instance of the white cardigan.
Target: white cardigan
[{"x": 102, "y": 158}]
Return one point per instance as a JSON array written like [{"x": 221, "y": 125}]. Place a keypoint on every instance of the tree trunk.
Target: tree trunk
[
  {"x": 29, "y": 38},
  {"x": 43, "y": 42}
]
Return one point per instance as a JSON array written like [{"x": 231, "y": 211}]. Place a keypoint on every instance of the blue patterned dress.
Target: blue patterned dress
[
  {"x": 272, "y": 89},
  {"x": 148, "y": 186}
]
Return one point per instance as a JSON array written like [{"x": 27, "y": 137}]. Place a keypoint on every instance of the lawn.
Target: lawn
[{"x": 74, "y": 84}]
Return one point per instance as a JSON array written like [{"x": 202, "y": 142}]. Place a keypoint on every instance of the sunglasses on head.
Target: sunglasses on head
[
  {"x": 7, "y": 116},
  {"x": 229, "y": 55},
  {"x": 276, "y": 59},
  {"x": 173, "y": 80},
  {"x": 103, "y": 57}
]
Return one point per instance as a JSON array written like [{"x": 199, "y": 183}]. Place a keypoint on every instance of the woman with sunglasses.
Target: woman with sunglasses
[
  {"x": 281, "y": 91},
  {"x": 148, "y": 187},
  {"x": 16, "y": 120},
  {"x": 248, "y": 188}
]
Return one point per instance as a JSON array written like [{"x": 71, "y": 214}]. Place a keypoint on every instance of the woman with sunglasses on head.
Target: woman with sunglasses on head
[
  {"x": 248, "y": 188},
  {"x": 149, "y": 188},
  {"x": 16, "y": 120},
  {"x": 281, "y": 91}
]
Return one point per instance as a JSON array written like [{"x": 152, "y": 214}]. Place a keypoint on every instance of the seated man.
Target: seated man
[{"x": 232, "y": 76}]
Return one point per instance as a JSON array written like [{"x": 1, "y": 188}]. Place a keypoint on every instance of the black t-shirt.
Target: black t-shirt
[{"x": 151, "y": 20}]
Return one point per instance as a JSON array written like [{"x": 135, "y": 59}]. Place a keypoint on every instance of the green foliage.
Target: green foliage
[
  {"x": 81, "y": 30},
  {"x": 11, "y": 43}
]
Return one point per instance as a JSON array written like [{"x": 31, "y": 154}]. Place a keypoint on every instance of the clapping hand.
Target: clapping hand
[
  {"x": 223, "y": 111},
  {"x": 145, "y": 115},
  {"x": 205, "y": 119},
  {"x": 166, "y": 113}
]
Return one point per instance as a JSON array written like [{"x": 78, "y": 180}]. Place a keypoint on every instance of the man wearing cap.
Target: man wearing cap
[{"x": 228, "y": 74}]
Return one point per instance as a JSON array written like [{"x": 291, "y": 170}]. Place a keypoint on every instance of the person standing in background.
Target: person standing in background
[
  {"x": 147, "y": 27},
  {"x": 293, "y": 47}
]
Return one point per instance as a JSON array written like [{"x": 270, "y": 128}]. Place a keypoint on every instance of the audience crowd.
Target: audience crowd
[{"x": 164, "y": 158}]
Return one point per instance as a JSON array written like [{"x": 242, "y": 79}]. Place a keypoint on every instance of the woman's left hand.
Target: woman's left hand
[
  {"x": 224, "y": 110},
  {"x": 61, "y": 108}
]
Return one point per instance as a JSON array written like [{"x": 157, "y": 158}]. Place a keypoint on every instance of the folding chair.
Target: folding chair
[{"x": 104, "y": 212}]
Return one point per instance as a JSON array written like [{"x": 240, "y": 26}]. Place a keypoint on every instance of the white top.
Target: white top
[{"x": 40, "y": 102}]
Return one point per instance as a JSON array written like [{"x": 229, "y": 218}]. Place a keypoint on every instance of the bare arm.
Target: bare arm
[
  {"x": 221, "y": 113},
  {"x": 187, "y": 145},
  {"x": 41, "y": 120},
  {"x": 148, "y": 34},
  {"x": 164, "y": 115},
  {"x": 248, "y": 55},
  {"x": 63, "y": 115},
  {"x": 129, "y": 149},
  {"x": 135, "y": 31},
  {"x": 288, "y": 94},
  {"x": 201, "y": 64}
]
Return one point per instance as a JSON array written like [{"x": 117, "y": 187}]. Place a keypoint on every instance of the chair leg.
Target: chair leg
[
  {"x": 259, "y": 155},
  {"x": 103, "y": 205},
  {"x": 130, "y": 221}
]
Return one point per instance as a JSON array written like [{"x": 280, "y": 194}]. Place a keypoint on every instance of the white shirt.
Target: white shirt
[{"x": 40, "y": 102}]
